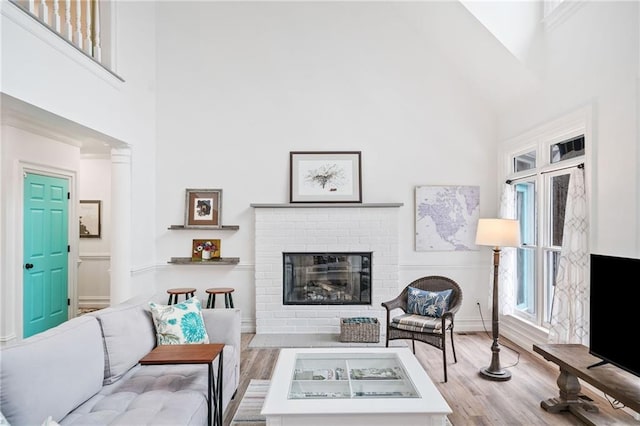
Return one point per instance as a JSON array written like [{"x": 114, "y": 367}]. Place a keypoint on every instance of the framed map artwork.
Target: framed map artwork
[{"x": 447, "y": 217}]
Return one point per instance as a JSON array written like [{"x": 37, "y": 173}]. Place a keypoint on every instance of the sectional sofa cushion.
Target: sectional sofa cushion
[
  {"x": 128, "y": 334},
  {"x": 148, "y": 395},
  {"x": 31, "y": 394}
]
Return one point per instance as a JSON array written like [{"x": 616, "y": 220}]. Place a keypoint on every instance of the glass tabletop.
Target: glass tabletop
[{"x": 350, "y": 376}]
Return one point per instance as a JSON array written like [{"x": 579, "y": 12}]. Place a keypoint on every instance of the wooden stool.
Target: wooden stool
[
  {"x": 175, "y": 292},
  {"x": 228, "y": 300}
]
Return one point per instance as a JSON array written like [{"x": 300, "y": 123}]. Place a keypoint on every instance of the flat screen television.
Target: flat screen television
[{"x": 613, "y": 309}]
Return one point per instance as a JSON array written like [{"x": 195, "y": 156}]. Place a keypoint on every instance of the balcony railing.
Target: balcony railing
[{"x": 77, "y": 21}]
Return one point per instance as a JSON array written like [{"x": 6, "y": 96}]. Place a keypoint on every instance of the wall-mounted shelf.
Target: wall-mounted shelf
[
  {"x": 212, "y": 228},
  {"x": 213, "y": 262}
]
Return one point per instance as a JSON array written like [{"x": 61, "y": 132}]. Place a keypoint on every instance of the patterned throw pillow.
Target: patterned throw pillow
[
  {"x": 427, "y": 303},
  {"x": 179, "y": 323}
]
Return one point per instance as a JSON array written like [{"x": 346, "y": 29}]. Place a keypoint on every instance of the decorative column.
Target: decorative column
[{"x": 120, "y": 287}]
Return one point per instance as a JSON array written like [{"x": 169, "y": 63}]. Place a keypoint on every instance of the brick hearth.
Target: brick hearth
[{"x": 328, "y": 228}]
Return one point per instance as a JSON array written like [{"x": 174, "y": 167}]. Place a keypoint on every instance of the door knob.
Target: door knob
[{"x": 28, "y": 266}]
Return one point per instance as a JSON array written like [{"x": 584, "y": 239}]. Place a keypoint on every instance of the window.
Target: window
[
  {"x": 540, "y": 184},
  {"x": 524, "y": 162},
  {"x": 567, "y": 149}
]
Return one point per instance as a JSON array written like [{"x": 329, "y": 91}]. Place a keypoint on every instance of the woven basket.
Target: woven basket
[{"x": 359, "y": 329}]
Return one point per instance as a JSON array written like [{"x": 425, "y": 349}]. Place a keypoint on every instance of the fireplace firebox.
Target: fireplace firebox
[{"x": 342, "y": 278}]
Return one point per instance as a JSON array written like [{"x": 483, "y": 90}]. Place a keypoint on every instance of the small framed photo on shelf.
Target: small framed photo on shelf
[
  {"x": 325, "y": 177},
  {"x": 89, "y": 215},
  {"x": 203, "y": 208},
  {"x": 205, "y": 250}
]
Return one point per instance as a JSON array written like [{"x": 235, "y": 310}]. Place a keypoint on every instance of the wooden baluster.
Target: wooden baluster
[
  {"x": 32, "y": 6},
  {"x": 97, "y": 50},
  {"x": 77, "y": 34},
  {"x": 56, "y": 16},
  {"x": 68, "y": 28},
  {"x": 43, "y": 12},
  {"x": 87, "y": 33}
]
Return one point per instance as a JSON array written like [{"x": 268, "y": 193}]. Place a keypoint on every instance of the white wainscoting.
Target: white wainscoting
[{"x": 94, "y": 280}]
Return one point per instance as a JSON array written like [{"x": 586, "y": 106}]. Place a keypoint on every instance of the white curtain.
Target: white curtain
[
  {"x": 570, "y": 308},
  {"x": 508, "y": 257}
]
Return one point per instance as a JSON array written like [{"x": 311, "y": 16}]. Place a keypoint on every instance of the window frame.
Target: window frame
[{"x": 541, "y": 140}]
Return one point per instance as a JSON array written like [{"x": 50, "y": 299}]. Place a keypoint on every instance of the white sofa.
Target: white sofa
[{"x": 86, "y": 371}]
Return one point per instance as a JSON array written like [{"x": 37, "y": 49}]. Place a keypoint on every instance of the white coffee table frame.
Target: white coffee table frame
[{"x": 428, "y": 408}]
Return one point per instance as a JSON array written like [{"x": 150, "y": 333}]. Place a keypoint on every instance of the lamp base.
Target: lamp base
[{"x": 498, "y": 376}]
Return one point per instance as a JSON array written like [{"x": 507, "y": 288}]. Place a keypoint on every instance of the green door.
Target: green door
[{"x": 45, "y": 277}]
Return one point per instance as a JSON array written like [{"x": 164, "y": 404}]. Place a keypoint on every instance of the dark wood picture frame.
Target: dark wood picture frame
[
  {"x": 325, "y": 177},
  {"x": 203, "y": 208},
  {"x": 89, "y": 217}
]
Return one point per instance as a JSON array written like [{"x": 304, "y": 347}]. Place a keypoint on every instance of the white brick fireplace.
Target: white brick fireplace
[{"x": 312, "y": 228}]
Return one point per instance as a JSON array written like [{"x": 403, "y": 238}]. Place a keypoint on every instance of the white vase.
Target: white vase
[{"x": 206, "y": 254}]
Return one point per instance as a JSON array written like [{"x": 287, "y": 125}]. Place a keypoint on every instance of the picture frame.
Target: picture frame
[
  {"x": 325, "y": 177},
  {"x": 203, "y": 208},
  {"x": 435, "y": 205},
  {"x": 89, "y": 218},
  {"x": 198, "y": 245}
]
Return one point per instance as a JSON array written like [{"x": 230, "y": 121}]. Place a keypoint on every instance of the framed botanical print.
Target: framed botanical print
[{"x": 325, "y": 177}]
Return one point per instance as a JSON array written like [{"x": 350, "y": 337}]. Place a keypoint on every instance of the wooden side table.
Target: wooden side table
[
  {"x": 228, "y": 300},
  {"x": 204, "y": 353},
  {"x": 175, "y": 292}
]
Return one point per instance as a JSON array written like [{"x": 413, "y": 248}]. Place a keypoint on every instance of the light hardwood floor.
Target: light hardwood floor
[{"x": 474, "y": 400}]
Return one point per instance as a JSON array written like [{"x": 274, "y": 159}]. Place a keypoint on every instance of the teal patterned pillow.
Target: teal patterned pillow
[
  {"x": 427, "y": 303},
  {"x": 179, "y": 323}
]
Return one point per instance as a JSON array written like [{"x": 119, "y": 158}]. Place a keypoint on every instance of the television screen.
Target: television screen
[{"x": 612, "y": 309}]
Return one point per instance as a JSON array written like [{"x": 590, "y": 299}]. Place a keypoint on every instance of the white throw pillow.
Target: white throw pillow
[{"x": 179, "y": 323}]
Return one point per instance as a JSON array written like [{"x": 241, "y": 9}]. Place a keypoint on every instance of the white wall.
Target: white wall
[
  {"x": 94, "y": 183},
  {"x": 513, "y": 23},
  {"x": 216, "y": 94},
  {"x": 589, "y": 61},
  {"x": 44, "y": 73},
  {"x": 241, "y": 84},
  {"x": 598, "y": 69},
  {"x": 136, "y": 58},
  {"x": 23, "y": 150}
]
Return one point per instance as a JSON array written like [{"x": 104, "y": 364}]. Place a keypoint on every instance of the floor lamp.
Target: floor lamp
[{"x": 496, "y": 233}]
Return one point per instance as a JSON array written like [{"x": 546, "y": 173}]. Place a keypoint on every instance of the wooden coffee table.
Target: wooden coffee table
[{"x": 204, "y": 353}]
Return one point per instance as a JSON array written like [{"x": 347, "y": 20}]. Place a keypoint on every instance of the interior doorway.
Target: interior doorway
[{"x": 46, "y": 252}]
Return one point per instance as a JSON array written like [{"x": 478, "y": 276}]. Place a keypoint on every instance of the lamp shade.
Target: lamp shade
[{"x": 498, "y": 233}]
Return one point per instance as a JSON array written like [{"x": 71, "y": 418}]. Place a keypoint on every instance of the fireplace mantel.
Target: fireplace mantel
[{"x": 317, "y": 205}]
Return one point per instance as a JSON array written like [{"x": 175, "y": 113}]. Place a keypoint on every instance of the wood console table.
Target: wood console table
[
  {"x": 573, "y": 361},
  {"x": 204, "y": 353}
]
